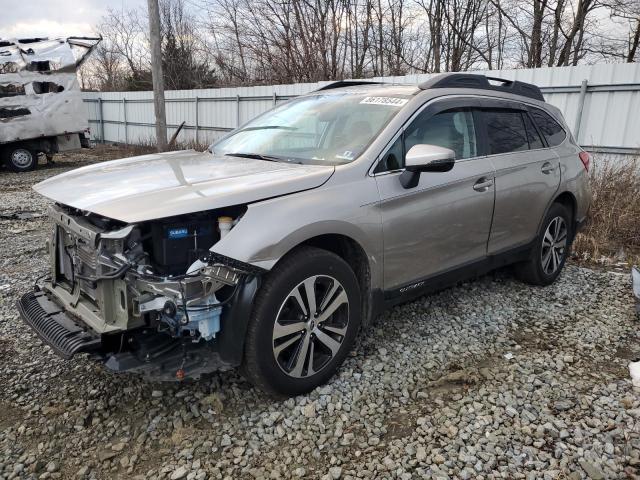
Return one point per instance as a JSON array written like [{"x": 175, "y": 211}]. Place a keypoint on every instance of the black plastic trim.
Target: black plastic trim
[
  {"x": 55, "y": 327},
  {"x": 213, "y": 257},
  {"x": 440, "y": 281},
  {"x": 347, "y": 83},
  {"x": 234, "y": 322},
  {"x": 169, "y": 356},
  {"x": 377, "y": 306},
  {"x": 481, "y": 82}
]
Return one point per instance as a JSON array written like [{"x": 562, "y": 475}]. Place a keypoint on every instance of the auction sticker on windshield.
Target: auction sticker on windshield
[{"x": 390, "y": 101}]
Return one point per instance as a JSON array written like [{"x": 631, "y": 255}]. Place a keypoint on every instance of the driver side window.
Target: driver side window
[{"x": 452, "y": 129}]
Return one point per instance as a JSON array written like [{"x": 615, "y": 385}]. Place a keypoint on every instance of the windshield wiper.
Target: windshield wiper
[
  {"x": 257, "y": 156},
  {"x": 269, "y": 127}
]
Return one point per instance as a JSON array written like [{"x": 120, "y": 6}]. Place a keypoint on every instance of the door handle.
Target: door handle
[
  {"x": 483, "y": 184},
  {"x": 547, "y": 168}
]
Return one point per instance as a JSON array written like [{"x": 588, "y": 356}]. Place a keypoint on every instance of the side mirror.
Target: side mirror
[{"x": 425, "y": 158}]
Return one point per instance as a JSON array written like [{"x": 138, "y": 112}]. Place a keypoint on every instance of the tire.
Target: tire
[
  {"x": 275, "y": 339},
  {"x": 20, "y": 158},
  {"x": 548, "y": 257}
]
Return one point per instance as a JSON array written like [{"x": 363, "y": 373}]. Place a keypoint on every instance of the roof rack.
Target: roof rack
[
  {"x": 347, "y": 83},
  {"x": 482, "y": 82}
]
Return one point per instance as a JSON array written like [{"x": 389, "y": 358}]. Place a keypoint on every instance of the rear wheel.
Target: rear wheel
[
  {"x": 20, "y": 158},
  {"x": 304, "y": 322},
  {"x": 551, "y": 249}
]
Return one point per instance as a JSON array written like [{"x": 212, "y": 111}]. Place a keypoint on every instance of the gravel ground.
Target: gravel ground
[{"x": 491, "y": 379}]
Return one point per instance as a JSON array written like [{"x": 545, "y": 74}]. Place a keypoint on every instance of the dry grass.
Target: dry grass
[{"x": 613, "y": 229}]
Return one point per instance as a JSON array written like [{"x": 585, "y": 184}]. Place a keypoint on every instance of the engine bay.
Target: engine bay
[{"x": 158, "y": 275}]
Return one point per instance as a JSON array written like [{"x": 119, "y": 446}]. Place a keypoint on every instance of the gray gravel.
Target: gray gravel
[{"x": 491, "y": 379}]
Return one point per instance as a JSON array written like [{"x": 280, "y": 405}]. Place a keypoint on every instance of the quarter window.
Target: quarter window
[
  {"x": 532, "y": 134},
  {"x": 393, "y": 159},
  {"x": 552, "y": 130},
  {"x": 505, "y": 131}
]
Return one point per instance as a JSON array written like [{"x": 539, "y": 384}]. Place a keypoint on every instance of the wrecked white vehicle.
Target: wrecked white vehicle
[
  {"x": 270, "y": 250},
  {"x": 41, "y": 109}
]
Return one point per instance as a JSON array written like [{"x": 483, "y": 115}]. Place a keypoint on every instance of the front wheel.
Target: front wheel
[
  {"x": 304, "y": 322},
  {"x": 551, "y": 248}
]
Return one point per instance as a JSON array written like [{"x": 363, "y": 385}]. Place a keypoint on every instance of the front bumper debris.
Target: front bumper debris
[
  {"x": 144, "y": 350},
  {"x": 55, "y": 327},
  {"x": 158, "y": 357}
]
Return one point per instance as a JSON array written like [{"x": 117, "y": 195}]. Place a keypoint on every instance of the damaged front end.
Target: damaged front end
[{"x": 148, "y": 297}]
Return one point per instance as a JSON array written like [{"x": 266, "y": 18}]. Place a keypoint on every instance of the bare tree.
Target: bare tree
[
  {"x": 242, "y": 42},
  {"x": 126, "y": 39},
  {"x": 184, "y": 60},
  {"x": 626, "y": 15}
]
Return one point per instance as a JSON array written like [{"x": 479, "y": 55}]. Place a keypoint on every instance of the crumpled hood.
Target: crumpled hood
[{"x": 174, "y": 183}]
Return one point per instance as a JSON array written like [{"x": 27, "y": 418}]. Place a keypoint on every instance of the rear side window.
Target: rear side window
[
  {"x": 505, "y": 131},
  {"x": 534, "y": 137},
  {"x": 552, "y": 130}
]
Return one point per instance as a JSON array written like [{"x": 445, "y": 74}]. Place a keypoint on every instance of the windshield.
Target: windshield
[{"x": 321, "y": 129}]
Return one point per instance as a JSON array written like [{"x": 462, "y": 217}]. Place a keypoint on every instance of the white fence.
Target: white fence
[{"x": 600, "y": 103}]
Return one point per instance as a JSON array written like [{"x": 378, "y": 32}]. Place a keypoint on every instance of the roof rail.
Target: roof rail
[
  {"x": 347, "y": 83},
  {"x": 482, "y": 82}
]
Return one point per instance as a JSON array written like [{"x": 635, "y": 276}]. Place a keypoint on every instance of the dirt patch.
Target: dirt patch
[
  {"x": 399, "y": 425},
  {"x": 629, "y": 352},
  {"x": 9, "y": 415},
  {"x": 536, "y": 340},
  {"x": 6, "y": 348},
  {"x": 458, "y": 381}
]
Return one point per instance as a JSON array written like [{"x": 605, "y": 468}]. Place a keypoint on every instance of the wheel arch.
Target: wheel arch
[
  {"x": 354, "y": 254},
  {"x": 232, "y": 338},
  {"x": 568, "y": 200}
]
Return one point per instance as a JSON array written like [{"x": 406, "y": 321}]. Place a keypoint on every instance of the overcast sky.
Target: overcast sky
[{"x": 56, "y": 18}]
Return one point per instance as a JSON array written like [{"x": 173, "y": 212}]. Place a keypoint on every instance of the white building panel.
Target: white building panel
[{"x": 609, "y": 120}]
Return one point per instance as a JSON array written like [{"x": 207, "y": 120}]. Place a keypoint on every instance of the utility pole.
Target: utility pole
[{"x": 156, "y": 72}]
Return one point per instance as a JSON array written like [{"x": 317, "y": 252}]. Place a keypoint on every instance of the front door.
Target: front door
[{"x": 443, "y": 222}]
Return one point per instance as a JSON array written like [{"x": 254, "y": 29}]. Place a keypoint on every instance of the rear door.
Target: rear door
[
  {"x": 527, "y": 174},
  {"x": 444, "y": 221}
]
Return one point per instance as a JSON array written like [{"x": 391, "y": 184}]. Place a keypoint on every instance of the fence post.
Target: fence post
[
  {"x": 237, "y": 110},
  {"x": 197, "y": 120},
  {"x": 275, "y": 98},
  {"x": 124, "y": 118},
  {"x": 101, "y": 120},
  {"x": 583, "y": 95}
]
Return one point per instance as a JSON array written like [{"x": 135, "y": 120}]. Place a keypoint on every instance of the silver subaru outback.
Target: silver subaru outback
[{"x": 272, "y": 250}]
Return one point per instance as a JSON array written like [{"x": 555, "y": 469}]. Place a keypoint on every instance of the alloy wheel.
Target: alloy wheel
[
  {"x": 310, "y": 326},
  {"x": 554, "y": 245}
]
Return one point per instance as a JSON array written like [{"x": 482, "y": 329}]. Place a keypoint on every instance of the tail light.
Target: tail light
[{"x": 585, "y": 158}]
